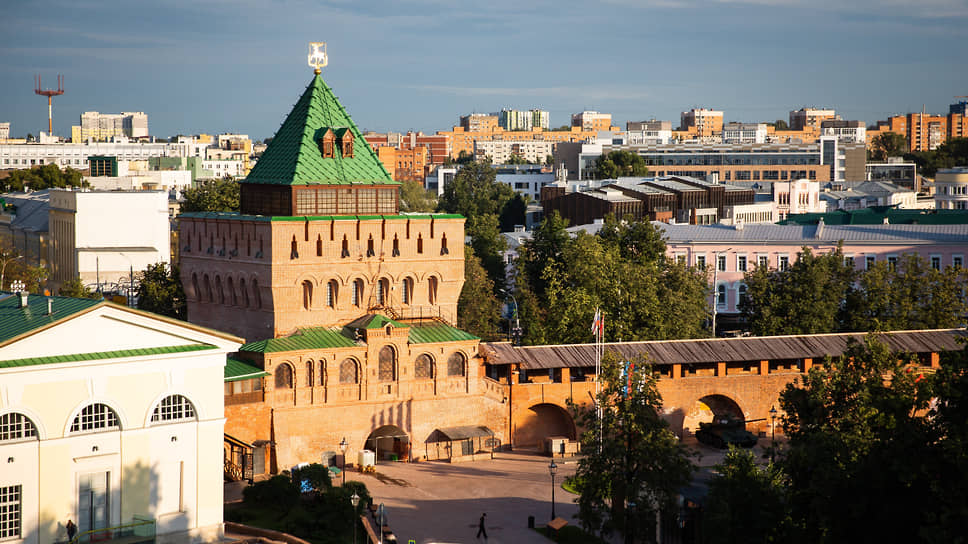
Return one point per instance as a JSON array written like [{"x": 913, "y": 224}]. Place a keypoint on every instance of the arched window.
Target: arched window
[
  {"x": 232, "y": 296},
  {"x": 721, "y": 295},
  {"x": 208, "y": 288},
  {"x": 245, "y": 293},
  {"x": 284, "y": 376},
  {"x": 15, "y": 427},
  {"x": 356, "y": 294},
  {"x": 95, "y": 417},
  {"x": 432, "y": 290},
  {"x": 309, "y": 373},
  {"x": 422, "y": 366},
  {"x": 406, "y": 290},
  {"x": 307, "y": 294},
  {"x": 173, "y": 408},
  {"x": 332, "y": 290},
  {"x": 348, "y": 371},
  {"x": 388, "y": 360},
  {"x": 218, "y": 290},
  {"x": 382, "y": 291},
  {"x": 455, "y": 364},
  {"x": 322, "y": 373}
]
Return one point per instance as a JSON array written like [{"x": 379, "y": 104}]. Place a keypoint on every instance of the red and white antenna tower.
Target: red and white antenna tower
[{"x": 49, "y": 93}]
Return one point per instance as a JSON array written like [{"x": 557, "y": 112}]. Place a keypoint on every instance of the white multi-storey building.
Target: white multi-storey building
[
  {"x": 524, "y": 120},
  {"x": 75, "y": 155},
  {"x": 4, "y": 131},
  {"x": 500, "y": 151},
  {"x": 104, "y": 126},
  {"x": 744, "y": 133},
  {"x": 844, "y": 131},
  {"x": 951, "y": 189}
]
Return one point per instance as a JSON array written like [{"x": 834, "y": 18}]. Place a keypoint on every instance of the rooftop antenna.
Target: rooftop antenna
[{"x": 49, "y": 93}]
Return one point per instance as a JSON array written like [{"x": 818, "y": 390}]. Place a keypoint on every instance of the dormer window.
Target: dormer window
[
  {"x": 330, "y": 139},
  {"x": 347, "y": 144},
  {"x": 327, "y": 142}
]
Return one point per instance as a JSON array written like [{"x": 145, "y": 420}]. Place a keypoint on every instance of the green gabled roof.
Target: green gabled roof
[
  {"x": 372, "y": 321},
  {"x": 293, "y": 157},
  {"x": 438, "y": 332},
  {"x": 16, "y": 321},
  {"x": 100, "y": 355},
  {"x": 236, "y": 370},
  {"x": 313, "y": 338}
]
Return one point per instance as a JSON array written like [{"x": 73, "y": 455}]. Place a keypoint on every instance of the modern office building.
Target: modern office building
[
  {"x": 75, "y": 155},
  {"x": 844, "y": 131},
  {"x": 4, "y": 131}
]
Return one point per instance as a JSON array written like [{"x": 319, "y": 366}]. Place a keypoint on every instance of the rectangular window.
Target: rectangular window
[
  {"x": 849, "y": 261},
  {"x": 936, "y": 262},
  {"x": 762, "y": 261},
  {"x": 721, "y": 263},
  {"x": 957, "y": 261},
  {"x": 367, "y": 201},
  {"x": 783, "y": 262},
  {"x": 869, "y": 262},
  {"x": 326, "y": 201},
  {"x": 680, "y": 258},
  {"x": 741, "y": 263},
  {"x": 701, "y": 261},
  {"x": 892, "y": 262},
  {"x": 10, "y": 512}
]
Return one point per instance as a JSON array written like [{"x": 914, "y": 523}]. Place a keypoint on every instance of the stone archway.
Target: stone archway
[
  {"x": 389, "y": 443},
  {"x": 708, "y": 408},
  {"x": 540, "y": 422}
]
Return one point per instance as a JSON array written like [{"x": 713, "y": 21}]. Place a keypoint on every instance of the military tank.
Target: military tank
[{"x": 725, "y": 431}]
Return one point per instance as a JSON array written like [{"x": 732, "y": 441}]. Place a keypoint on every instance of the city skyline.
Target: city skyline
[{"x": 218, "y": 66}]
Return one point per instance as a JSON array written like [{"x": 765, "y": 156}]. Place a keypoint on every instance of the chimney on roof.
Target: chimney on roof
[
  {"x": 820, "y": 226},
  {"x": 50, "y": 306}
]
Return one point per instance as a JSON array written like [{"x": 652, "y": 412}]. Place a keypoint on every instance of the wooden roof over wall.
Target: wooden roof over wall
[{"x": 718, "y": 350}]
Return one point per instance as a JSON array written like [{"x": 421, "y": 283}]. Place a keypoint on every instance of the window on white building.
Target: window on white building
[
  {"x": 173, "y": 408},
  {"x": 95, "y": 417},
  {"x": 15, "y": 427},
  {"x": 741, "y": 263},
  {"x": 10, "y": 512}
]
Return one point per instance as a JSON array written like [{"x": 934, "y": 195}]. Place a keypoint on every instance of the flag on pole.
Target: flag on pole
[{"x": 598, "y": 324}]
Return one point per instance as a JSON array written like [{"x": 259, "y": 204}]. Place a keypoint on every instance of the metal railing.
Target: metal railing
[{"x": 138, "y": 530}]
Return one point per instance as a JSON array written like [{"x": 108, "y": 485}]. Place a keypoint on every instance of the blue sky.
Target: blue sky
[{"x": 239, "y": 65}]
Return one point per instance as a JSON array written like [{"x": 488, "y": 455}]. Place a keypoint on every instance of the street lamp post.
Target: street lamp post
[
  {"x": 553, "y": 468},
  {"x": 514, "y": 333},
  {"x": 355, "y": 501},
  {"x": 342, "y": 448},
  {"x": 773, "y": 431},
  {"x": 7, "y": 260}
]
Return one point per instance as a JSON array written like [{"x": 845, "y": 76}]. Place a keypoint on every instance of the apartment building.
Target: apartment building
[
  {"x": 461, "y": 141},
  {"x": 501, "y": 151},
  {"x": 844, "y": 131},
  {"x": 592, "y": 121},
  {"x": 810, "y": 117},
  {"x": 509, "y": 119},
  {"x": 100, "y": 127},
  {"x": 924, "y": 131},
  {"x": 479, "y": 122},
  {"x": 951, "y": 189},
  {"x": 704, "y": 122},
  {"x": 4, "y": 131},
  {"x": 75, "y": 155},
  {"x": 744, "y": 133}
]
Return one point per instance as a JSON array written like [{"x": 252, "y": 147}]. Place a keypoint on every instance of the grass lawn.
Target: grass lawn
[
  {"x": 571, "y": 534},
  {"x": 569, "y": 485}
]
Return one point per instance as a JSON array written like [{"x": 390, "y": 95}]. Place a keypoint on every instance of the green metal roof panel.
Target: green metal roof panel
[
  {"x": 240, "y": 217},
  {"x": 370, "y": 321},
  {"x": 236, "y": 370},
  {"x": 438, "y": 332},
  {"x": 100, "y": 355},
  {"x": 293, "y": 156},
  {"x": 15, "y": 321},
  {"x": 312, "y": 338}
]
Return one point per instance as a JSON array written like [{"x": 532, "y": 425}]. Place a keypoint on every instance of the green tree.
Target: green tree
[
  {"x": 478, "y": 309},
  {"x": 746, "y": 502},
  {"x": 908, "y": 295},
  {"x": 488, "y": 245},
  {"x": 860, "y": 454},
  {"x": 542, "y": 250},
  {"x": 780, "y": 124},
  {"x": 514, "y": 213},
  {"x": 806, "y": 298},
  {"x": 75, "y": 288},
  {"x": 549, "y": 160},
  {"x": 220, "y": 195},
  {"x": 888, "y": 144},
  {"x": 44, "y": 177},
  {"x": 952, "y": 153},
  {"x": 160, "y": 291},
  {"x": 414, "y": 198},
  {"x": 516, "y": 159},
  {"x": 633, "y": 465},
  {"x": 620, "y": 163}
]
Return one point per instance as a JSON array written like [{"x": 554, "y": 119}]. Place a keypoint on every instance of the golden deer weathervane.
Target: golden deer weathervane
[{"x": 317, "y": 55}]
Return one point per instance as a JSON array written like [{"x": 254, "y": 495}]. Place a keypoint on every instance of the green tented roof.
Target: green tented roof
[
  {"x": 15, "y": 321},
  {"x": 236, "y": 370},
  {"x": 312, "y": 338},
  {"x": 100, "y": 355},
  {"x": 293, "y": 157},
  {"x": 438, "y": 332}
]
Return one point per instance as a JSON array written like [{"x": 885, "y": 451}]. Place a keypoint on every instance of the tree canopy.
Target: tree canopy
[
  {"x": 160, "y": 291},
  {"x": 633, "y": 465},
  {"x": 953, "y": 152},
  {"x": 76, "y": 288},
  {"x": 623, "y": 271},
  {"x": 746, "y": 502},
  {"x": 220, "y": 195},
  {"x": 47, "y": 176},
  {"x": 477, "y": 308},
  {"x": 414, "y": 198},
  {"x": 888, "y": 144},
  {"x": 620, "y": 163}
]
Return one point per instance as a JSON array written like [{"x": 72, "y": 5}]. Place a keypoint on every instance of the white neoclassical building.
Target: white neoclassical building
[{"x": 111, "y": 418}]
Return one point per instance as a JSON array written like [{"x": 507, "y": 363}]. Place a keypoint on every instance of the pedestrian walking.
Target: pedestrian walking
[
  {"x": 480, "y": 527},
  {"x": 71, "y": 530}
]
